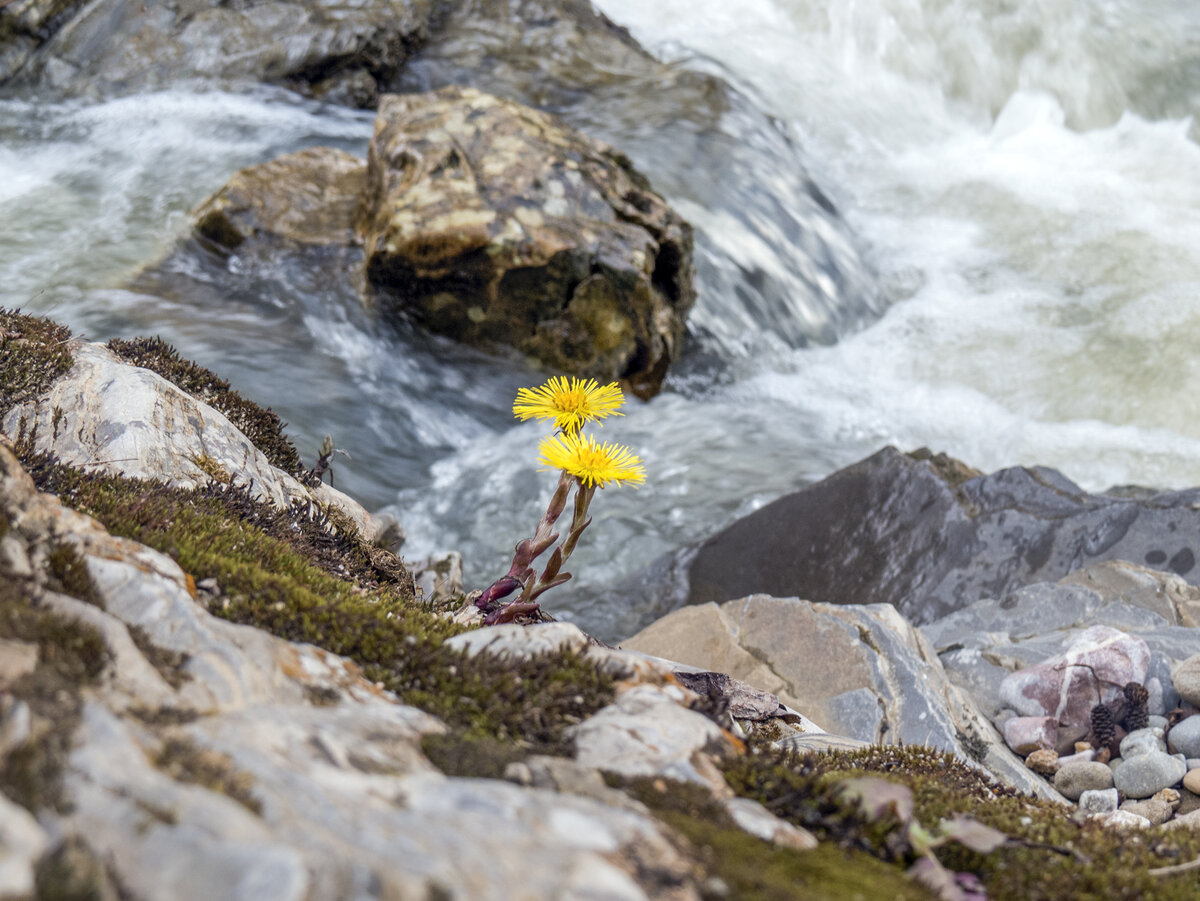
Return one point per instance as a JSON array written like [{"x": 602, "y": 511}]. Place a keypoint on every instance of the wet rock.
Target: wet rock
[
  {"x": 1027, "y": 734},
  {"x": 1072, "y": 780},
  {"x": 862, "y": 672},
  {"x": 305, "y": 198},
  {"x": 1066, "y": 686},
  {"x": 1094, "y": 801},
  {"x": 1143, "y": 776},
  {"x": 894, "y": 529},
  {"x": 1186, "y": 679},
  {"x": 1157, "y": 812},
  {"x": 315, "y": 46},
  {"x": 498, "y": 225}
]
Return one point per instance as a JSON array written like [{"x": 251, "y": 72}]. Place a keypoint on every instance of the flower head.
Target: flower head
[
  {"x": 594, "y": 464},
  {"x": 569, "y": 402}
]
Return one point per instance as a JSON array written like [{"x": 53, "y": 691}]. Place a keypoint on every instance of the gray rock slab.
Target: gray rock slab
[
  {"x": 845, "y": 667},
  {"x": 932, "y": 539}
]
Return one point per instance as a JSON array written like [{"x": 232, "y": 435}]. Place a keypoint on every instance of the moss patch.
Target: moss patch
[
  {"x": 185, "y": 761},
  {"x": 33, "y": 353},
  {"x": 263, "y": 427},
  {"x": 68, "y": 574},
  {"x": 738, "y": 865},
  {"x": 298, "y": 575},
  {"x": 168, "y": 663},
  {"x": 1052, "y": 857}
]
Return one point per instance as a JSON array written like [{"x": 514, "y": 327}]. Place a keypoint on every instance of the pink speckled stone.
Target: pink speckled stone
[{"x": 1026, "y": 734}]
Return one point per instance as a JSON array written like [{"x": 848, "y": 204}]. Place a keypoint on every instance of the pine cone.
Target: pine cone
[
  {"x": 1137, "y": 716},
  {"x": 1104, "y": 726}
]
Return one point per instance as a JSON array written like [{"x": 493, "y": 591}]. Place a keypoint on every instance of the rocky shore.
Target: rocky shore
[{"x": 220, "y": 677}]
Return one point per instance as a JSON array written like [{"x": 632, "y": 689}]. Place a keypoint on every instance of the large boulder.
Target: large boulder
[
  {"x": 863, "y": 672},
  {"x": 324, "y": 47},
  {"x": 930, "y": 536},
  {"x": 497, "y": 224}
]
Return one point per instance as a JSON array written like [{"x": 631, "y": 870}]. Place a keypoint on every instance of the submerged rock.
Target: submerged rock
[
  {"x": 930, "y": 539},
  {"x": 498, "y": 225}
]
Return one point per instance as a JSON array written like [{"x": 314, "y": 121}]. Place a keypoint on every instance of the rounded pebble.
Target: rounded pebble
[
  {"x": 1074, "y": 779},
  {"x": 1142, "y": 776},
  {"x": 1157, "y": 812},
  {"x": 1157, "y": 722},
  {"x": 1186, "y": 679},
  {"x": 1191, "y": 781},
  {"x": 1142, "y": 741},
  {"x": 1185, "y": 737},
  {"x": 1095, "y": 801},
  {"x": 1044, "y": 761}
]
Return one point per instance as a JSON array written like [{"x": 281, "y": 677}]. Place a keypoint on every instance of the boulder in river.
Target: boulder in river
[
  {"x": 930, "y": 536},
  {"x": 497, "y": 224}
]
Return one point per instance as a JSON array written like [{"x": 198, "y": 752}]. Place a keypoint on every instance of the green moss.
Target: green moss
[
  {"x": 459, "y": 755},
  {"x": 168, "y": 663},
  {"x": 185, "y": 761},
  {"x": 33, "y": 353},
  {"x": 296, "y": 574},
  {"x": 263, "y": 427},
  {"x": 68, "y": 574},
  {"x": 737, "y": 865},
  {"x": 73, "y": 872},
  {"x": 1052, "y": 857}
]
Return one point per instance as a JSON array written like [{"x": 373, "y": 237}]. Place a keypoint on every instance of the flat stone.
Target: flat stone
[
  {"x": 1079, "y": 757},
  {"x": 757, "y": 820},
  {"x": 1184, "y": 737},
  {"x": 520, "y": 642},
  {"x": 859, "y": 671},
  {"x": 1074, "y": 779},
  {"x": 1123, "y": 820},
  {"x": 1142, "y": 776},
  {"x": 1096, "y": 800},
  {"x": 1186, "y": 679}
]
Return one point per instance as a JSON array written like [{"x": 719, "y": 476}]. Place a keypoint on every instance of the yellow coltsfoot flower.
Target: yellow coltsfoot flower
[
  {"x": 569, "y": 402},
  {"x": 594, "y": 464}
]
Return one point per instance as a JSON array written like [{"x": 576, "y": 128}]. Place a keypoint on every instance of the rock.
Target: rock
[
  {"x": 109, "y": 415},
  {"x": 1151, "y": 772},
  {"x": 648, "y": 733},
  {"x": 1027, "y": 734},
  {"x": 893, "y": 529},
  {"x": 1189, "y": 820},
  {"x": 1142, "y": 741},
  {"x": 1043, "y": 761},
  {"x": 305, "y": 198},
  {"x": 439, "y": 576},
  {"x": 22, "y": 842},
  {"x": 757, "y": 820},
  {"x": 1188, "y": 801},
  {"x": 498, "y": 225},
  {"x": 1094, "y": 801},
  {"x": 1080, "y": 757},
  {"x": 1074, "y": 779},
  {"x": 1170, "y": 797},
  {"x": 1157, "y": 812},
  {"x": 315, "y": 46},
  {"x": 1185, "y": 737},
  {"x": 862, "y": 672},
  {"x": 1191, "y": 781},
  {"x": 1122, "y": 820},
  {"x": 1186, "y": 679},
  {"x": 1066, "y": 686},
  {"x": 520, "y": 642}
]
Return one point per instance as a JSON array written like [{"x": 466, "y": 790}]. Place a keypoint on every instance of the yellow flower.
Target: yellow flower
[
  {"x": 591, "y": 462},
  {"x": 570, "y": 403}
]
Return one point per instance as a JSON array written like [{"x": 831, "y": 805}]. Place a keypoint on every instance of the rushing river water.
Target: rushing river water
[{"x": 1016, "y": 278}]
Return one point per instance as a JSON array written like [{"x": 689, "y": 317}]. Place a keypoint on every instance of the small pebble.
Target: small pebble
[
  {"x": 1186, "y": 679},
  {"x": 1044, "y": 761},
  {"x": 1169, "y": 796},
  {"x": 1185, "y": 737},
  {"x": 1142, "y": 776},
  {"x": 1081, "y": 757},
  {"x": 1082, "y": 746},
  {"x": 1123, "y": 819},
  {"x": 1191, "y": 781},
  {"x": 1076, "y": 778},
  {"x": 1142, "y": 741},
  {"x": 1157, "y": 812},
  {"x": 1154, "y": 721},
  {"x": 1096, "y": 801}
]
